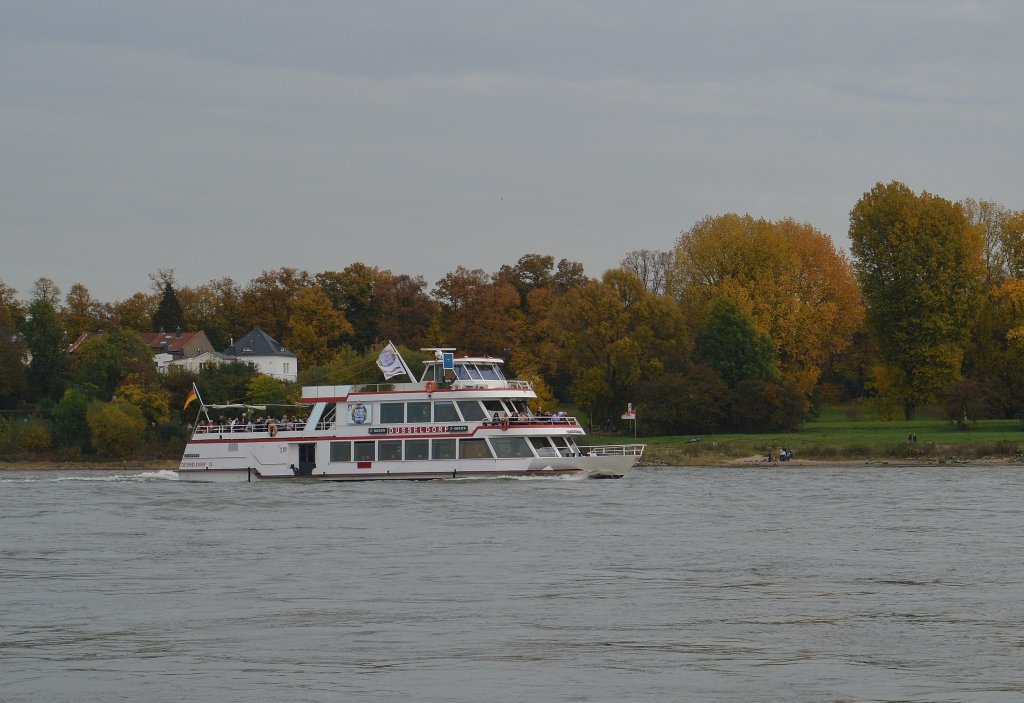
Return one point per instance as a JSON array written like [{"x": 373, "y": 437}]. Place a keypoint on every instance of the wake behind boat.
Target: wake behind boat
[{"x": 463, "y": 418}]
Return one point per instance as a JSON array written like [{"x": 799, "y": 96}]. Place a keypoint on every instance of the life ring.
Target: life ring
[
  {"x": 272, "y": 429},
  {"x": 431, "y": 386}
]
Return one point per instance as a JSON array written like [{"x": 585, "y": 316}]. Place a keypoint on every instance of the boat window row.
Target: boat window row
[
  {"x": 465, "y": 371},
  {"x": 451, "y": 448},
  {"x": 419, "y": 411}
]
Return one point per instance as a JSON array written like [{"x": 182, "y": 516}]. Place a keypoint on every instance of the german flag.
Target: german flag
[{"x": 192, "y": 395}]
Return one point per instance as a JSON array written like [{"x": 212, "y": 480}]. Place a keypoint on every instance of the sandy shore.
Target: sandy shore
[{"x": 146, "y": 464}]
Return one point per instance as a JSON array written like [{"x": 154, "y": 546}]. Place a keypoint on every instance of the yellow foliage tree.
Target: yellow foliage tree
[
  {"x": 313, "y": 325},
  {"x": 786, "y": 275}
]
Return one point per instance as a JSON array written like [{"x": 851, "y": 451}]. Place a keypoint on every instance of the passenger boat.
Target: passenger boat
[{"x": 462, "y": 419}]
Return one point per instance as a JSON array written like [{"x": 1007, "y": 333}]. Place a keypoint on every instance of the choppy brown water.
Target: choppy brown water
[{"x": 845, "y": 584}]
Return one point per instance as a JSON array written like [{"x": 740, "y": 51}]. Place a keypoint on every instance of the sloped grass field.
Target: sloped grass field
[{"x": 833, "y": 437}]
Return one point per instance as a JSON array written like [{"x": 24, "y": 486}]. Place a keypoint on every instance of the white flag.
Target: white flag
[{"x": 390, "y": 362}]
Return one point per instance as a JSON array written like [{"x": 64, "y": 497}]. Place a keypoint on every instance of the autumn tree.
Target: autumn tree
[
  {"x": 269, "y": 299},
  {"x": 115, "y": 429},
  {"x": 134, "y": 313},
  {"x": 654, "y": 268},
  {"x": 614, "y": 334},
  {"x": 405, "y": 310},
  {"x": 217, "y": 309},
  {"x": 82, "y": 312},
  {"x": 355, "y": 292},
  {"x": 786, "y": 275},
  {"x": 481, "y": 315},
  {"x": 920, "y": 269},
  {"x": 314, "y": 327}
]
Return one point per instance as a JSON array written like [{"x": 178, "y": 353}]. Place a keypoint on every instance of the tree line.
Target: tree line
[{"x": 744, "y": 324}]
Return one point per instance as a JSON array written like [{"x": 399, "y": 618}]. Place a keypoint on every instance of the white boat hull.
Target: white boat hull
[
  {"x": 470, "y": 427},
  {"x": 607, "y": 466}
]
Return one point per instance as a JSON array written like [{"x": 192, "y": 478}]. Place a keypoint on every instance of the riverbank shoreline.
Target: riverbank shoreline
[{"x": 651, "y": 460}]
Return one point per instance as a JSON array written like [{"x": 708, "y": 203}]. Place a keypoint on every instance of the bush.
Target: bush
[
  {"x": 116, "y": 429},
  {"x": 690, "y": 403},
  {"x": 33, "y": 437}
]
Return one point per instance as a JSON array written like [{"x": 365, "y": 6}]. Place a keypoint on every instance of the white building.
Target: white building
[{"x": 265, "y": 354}]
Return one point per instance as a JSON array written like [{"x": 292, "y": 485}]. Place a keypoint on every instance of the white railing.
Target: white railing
[{"x": 613, "y": 450}]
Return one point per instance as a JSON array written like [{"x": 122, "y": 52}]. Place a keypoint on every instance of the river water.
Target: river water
[{"x": 673, "y": 584}]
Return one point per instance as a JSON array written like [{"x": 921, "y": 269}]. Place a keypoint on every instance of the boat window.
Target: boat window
[
  {"x": 471, "y": 411},
  {"x": 489, "y": 372},
  {"x": 318, "y": 411},
  {"x": 417, "y": 449},
  {"x": 494, "y": 406},
  {"x": 444, "y": 411},
  {"x": 542, "y": 446},
  {"x": 329, "y": 416},
  {"x": 563, "y": 448},
  {"x": 461, "y": 372},
  {"x": 392, "y": 413},
  {"x": 442, "y": 449},
  {"x": 389, "y": 449},
  {"x": 418, "y": 412},
  {"x": 364, "y": 451},
  {"x": 474, "y": 449},
  {"x": 431, "y": 373},
  {"x": 341, "y": 451},
  {"x": 473, "y": 373},
  {"x": 511, "y": 447}
]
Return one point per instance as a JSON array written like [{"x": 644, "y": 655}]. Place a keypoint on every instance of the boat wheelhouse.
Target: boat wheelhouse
[{"x": 463, "y": 418}]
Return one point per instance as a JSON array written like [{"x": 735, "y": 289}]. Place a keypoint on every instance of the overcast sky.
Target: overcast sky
[{"x": 224, "y": 138}]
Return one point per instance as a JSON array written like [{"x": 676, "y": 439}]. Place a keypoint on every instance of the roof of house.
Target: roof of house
[
  {"x": 257, "y": 343},
  {"x": 176, "y": 341},
  {"x": 82, "y": 338}
]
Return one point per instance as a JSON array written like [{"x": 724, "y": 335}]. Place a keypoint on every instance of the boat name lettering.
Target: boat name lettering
[
  {"x": 419, "y": 429},
  {"x": 191, "y": 456},
  {"x": 195, "y": 465}
]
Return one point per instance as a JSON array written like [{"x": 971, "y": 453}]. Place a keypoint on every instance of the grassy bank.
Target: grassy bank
[{"x": 850, "y": 440}]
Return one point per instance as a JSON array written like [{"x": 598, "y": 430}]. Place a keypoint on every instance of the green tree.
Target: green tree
[
  {"x": 111, "y": 360},
  {"x": 12, "y": 356},
  {"x": 920, "y": 269},
  {"x": 169, "y": 315},
  {"x": 47, "y": 344},
  {"x": 266, "y": 390},
  {"x": 731, "y": 345},
  {"x": 70, "y": 428}
]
